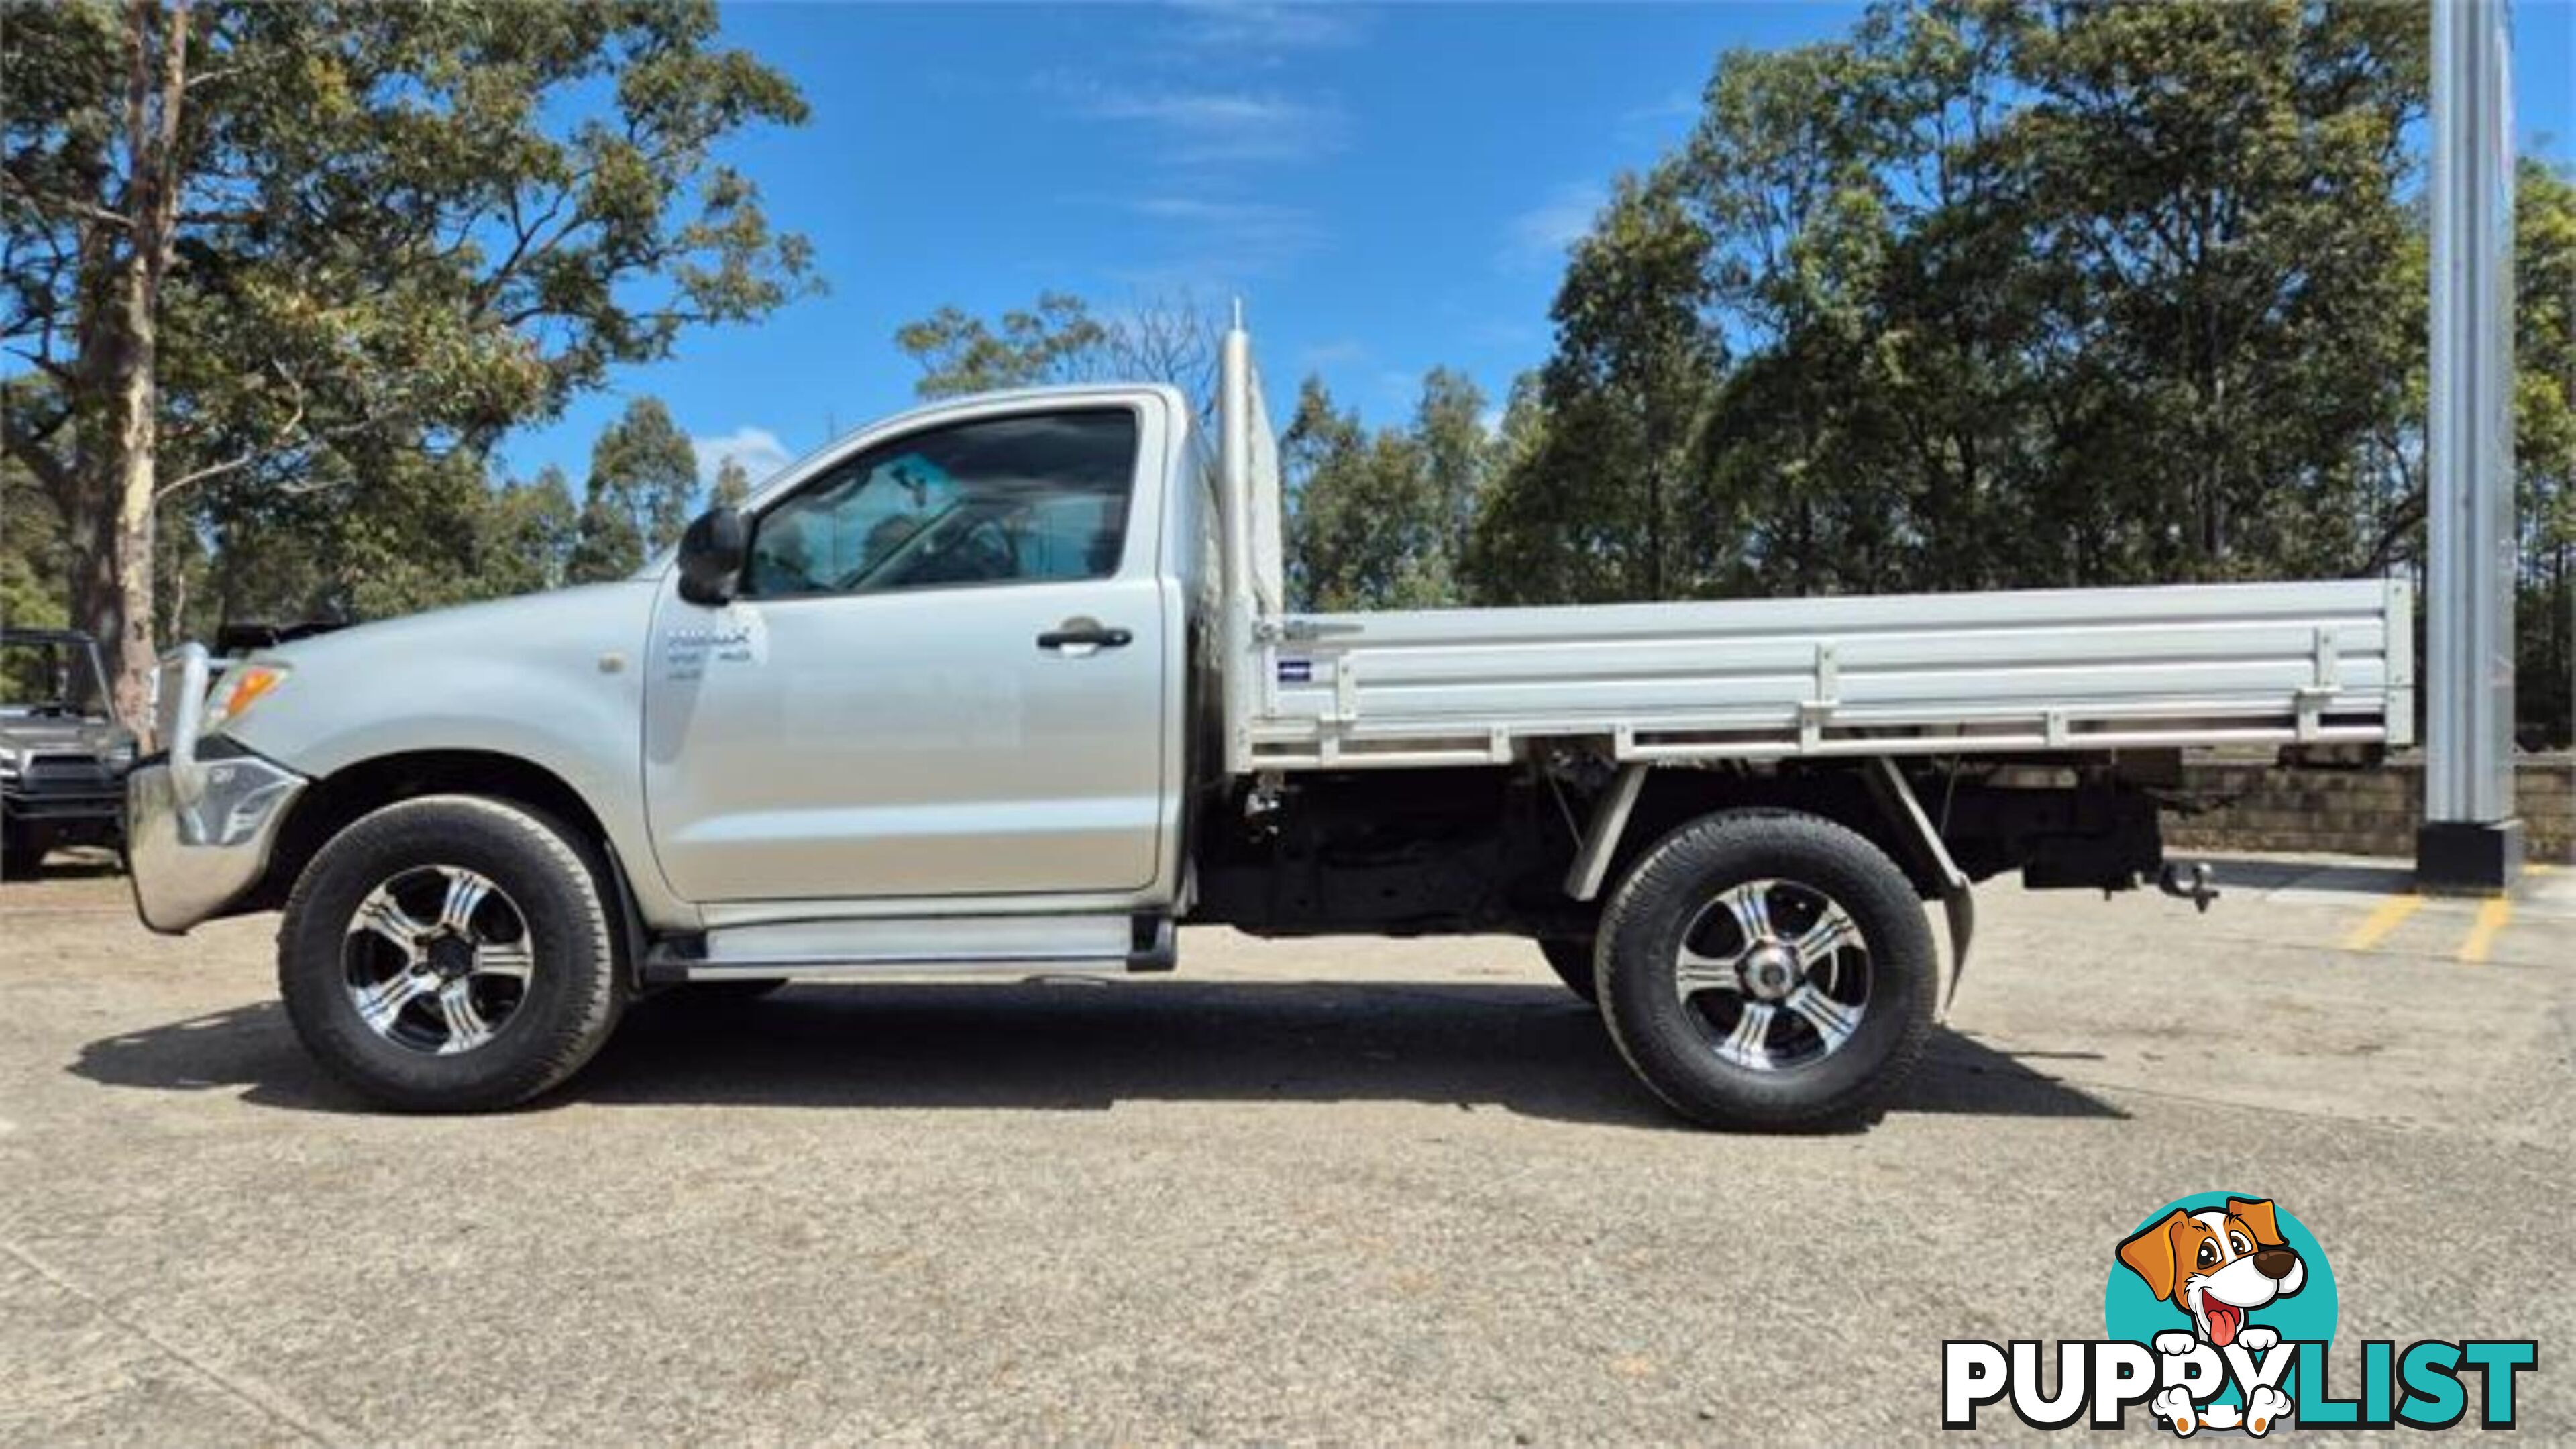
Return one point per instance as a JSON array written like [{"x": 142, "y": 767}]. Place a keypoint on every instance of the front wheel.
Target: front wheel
[
  {"x": 450, "y": 954},
  {"x": 1766, "y": 969}
]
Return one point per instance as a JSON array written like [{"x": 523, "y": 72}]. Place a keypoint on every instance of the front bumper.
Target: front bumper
[
  {"x": 198, "y": 829},
  {"x": 199, "y": 834},
  {"x": 51, "y": 808},
  {"x": 63, "y": 793}
]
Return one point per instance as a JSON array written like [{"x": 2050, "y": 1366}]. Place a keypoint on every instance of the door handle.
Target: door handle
[{"x": 1085, "y": 634}]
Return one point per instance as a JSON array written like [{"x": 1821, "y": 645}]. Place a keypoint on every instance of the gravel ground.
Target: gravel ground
[{"x": 1336, "y": 1190}]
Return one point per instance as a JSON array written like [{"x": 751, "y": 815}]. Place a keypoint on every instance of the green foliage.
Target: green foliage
[
  {"x": 1985, "y": 294},
  {"x": 1057, "y": 340},
  {"x": 732, "y": 485},
  {"x": 1376, "y": 520},
  {"x": 606, "y": 542},
  {"x": 1171, "y": 338},
  {"x": 643, "y": 467},
  {"x": 2021, "y": 295},
  {"x": 330, "y": 244},
  {"x": 409, "y": 541},
  {"x": 525, "y": 536},
  {"x": 1457, "y": 457},
  {"x": 2545, "y": 448},
  {"x": 1597, "y": 502},
  {"x": 2228, "y": 183},
  {"x": 32, "y": 559}
]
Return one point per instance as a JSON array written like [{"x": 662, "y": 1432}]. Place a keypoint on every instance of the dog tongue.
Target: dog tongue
[{"x": 2224, "y": 1320}]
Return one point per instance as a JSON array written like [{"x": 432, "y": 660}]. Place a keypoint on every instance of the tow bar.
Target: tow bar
[{"x": 2189, "y": 882}]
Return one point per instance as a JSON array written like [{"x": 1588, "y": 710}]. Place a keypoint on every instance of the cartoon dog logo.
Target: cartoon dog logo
[{"x": 2218, "y": 1265}]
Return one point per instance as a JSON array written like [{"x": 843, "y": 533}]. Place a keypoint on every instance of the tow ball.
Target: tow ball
[{"x": 2190, "y": 882}]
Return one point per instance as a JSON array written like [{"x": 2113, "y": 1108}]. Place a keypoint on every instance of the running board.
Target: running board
[{"x": 857, "y": 950}]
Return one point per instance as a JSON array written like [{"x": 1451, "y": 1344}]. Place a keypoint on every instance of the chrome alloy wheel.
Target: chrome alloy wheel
[
  {"x": 437, "y": 959},
  {"x": 1776, "y": 974}
]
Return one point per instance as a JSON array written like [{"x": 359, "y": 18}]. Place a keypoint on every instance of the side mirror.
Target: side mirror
[{"x": 712, "y": 554}]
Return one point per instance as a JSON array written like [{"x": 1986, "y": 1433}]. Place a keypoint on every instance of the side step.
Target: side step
[{"x": 857, "y": 950}]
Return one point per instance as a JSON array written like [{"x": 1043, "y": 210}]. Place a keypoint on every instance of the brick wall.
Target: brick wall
[{"x": 2356, "y": 812}]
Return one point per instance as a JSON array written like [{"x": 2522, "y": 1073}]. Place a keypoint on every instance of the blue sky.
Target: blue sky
[{"x": 1389, "y": 189}]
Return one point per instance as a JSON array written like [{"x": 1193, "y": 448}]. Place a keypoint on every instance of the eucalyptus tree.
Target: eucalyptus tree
[
  {"x": 274, "y": 246},
  {"x": 732, "y": 485},
  {"x": 1602, "y": 505},
  {"x": 644, "y": 466},
  {"x": 1168, "y": 337}
]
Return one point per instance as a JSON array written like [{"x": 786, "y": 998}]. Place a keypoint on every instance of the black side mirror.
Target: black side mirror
[{"x": 712, "y": 553}]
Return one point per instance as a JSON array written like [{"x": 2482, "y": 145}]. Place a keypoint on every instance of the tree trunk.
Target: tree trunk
[
  {"x": 129, "y": 643},
  {"x": 112, "y": 538}
]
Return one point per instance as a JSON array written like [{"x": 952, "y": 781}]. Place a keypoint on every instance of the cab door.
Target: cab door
[{"x": 943, "y": 675}]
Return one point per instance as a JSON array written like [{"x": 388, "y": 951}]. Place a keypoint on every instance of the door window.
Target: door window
[{"x": 1033, "y": 498}]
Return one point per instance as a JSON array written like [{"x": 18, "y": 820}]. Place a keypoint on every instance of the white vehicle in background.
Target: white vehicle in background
[{"x": 1008, "y": 683}]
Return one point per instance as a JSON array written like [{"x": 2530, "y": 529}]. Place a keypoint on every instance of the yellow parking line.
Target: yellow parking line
[
  {"x": 2390, "y": 915},
  {"x": 2492, "y": 914}
]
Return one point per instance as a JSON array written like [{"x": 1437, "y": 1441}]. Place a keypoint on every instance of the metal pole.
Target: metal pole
[{"x": 2471, "y": 841}]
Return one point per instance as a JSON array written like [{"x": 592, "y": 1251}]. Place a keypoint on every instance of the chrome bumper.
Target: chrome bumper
[
  {"x": 190, "y": 858},
  {"x": 198, "y": 831}
]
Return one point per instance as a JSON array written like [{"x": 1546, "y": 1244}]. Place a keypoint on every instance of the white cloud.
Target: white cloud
[
  {"x": 1540, "y": 235},
  {"x": 1213, "y": 126},
  {"x": 1229, "y": 239},
  {"x": 1202, "y": 211},
  {"x": 1253, "y": 31},
  {"x": 758, "y": 450},
  {"x": 1658, "y": 124},
  {"x": 1672, "y": 106}
]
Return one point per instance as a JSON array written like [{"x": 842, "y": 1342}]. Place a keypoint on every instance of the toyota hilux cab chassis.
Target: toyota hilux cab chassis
[{"x": 1009, "y": 684}]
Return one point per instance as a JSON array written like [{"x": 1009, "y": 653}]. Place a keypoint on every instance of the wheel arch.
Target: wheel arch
[
  {"x": 337, "y": 800},
  {"x": 1673, "y": 798}
]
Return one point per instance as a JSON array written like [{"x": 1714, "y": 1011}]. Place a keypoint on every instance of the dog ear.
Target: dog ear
[
  {"x": 2150, "y": 1254},
  {"x": 2258, "y": 1216}
]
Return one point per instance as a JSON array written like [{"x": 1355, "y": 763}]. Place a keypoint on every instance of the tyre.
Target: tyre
[
  {"x": 1571, "y": 959},
  {"x": 451, "y": 954},
  {"x": 1765, "y": 969}
]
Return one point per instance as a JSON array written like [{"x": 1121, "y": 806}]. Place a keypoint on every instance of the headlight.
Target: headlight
[
  {"x": 8, "y": 764},
  {"x": 120, "y": 755},
  {"x": 241, "y": 687}
]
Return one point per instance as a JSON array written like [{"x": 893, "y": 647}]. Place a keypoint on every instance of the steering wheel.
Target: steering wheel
[{"x": 980, "y": 554}]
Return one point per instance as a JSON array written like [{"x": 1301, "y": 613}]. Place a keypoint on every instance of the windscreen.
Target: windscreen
[{"x": 49, "y": 677}]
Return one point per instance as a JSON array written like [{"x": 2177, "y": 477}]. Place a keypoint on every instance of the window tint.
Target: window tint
[{"x": 1006, "y": 500}]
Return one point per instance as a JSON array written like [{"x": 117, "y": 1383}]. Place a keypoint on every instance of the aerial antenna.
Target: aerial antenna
[{"x": 1238, "y": 314}]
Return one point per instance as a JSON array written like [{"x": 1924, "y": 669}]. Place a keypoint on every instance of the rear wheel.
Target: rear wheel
[
  {"x": 1571, "y": 959},
  {"x": 450, "y": 953},
  {"x": 1769, "y": 970}
]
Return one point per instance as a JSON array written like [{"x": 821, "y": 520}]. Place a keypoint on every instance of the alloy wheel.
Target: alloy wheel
[
  {"x": 437, "y": 959},
  {"x": 1775, "y": 973}
]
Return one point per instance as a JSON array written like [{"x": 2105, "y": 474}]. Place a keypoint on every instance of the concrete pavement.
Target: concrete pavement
[{"x": 1326, "y": 1190}]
